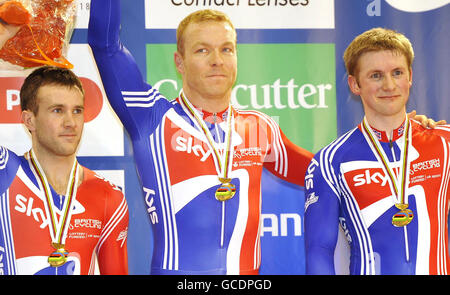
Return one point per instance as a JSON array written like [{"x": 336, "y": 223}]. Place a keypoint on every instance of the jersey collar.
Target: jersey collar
[
  {"x": 384, "y": 136},
  {"x": 211, "y": 118}
]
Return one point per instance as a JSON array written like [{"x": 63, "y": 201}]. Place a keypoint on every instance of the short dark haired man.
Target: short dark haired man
[{"x": 56, "y": 216}]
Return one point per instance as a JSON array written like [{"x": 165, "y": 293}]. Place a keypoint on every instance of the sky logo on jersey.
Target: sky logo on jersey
[
  {"x": 149, "y": 200},
  {"x": 186, "y": 145},
  {"x": 25, "y": 205},
  {"x": 275, "y": 79},
  {"x": 309, "y": 178},
  {"x": 367, "y": 178}
]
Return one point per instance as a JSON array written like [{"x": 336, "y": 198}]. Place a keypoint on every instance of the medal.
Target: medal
[
  {"x": 223, "y": 158},
  {"x": 57, "y": 227},
  {"x": 58, "y": 257},
  {"x": 398, "y": 187},
  {"x": 402, "y": 217},
  {"x": 226, "y": 191}
]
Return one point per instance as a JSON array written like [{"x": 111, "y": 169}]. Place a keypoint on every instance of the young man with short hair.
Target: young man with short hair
[
  {"x": 385, "y": 181},
  {"x": 56, "y": 216}
]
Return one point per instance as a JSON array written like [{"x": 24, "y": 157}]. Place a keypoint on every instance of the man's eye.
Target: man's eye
[
  {"x": 228, "y": 50},
  {"x": 376, "y": 76},
  {"x": 398, "y": 73}
]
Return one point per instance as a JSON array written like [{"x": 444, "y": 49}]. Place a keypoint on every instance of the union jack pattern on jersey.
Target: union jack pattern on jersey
[
  {"x": 97, "y": 229},
  {"x": 193, "y": 232},
  {"x": 346, "y": 184}
]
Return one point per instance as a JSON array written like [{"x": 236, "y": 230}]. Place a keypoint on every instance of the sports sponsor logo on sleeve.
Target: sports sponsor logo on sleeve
[
  {"x": 122, "y": 237},
  {"x": 311, "y": 199},
  {"x": 150, "y": 201},
  {"x": 309, "y": 182}
]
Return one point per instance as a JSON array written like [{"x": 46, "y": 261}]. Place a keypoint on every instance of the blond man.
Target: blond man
[{"x": 385, "y": 182}]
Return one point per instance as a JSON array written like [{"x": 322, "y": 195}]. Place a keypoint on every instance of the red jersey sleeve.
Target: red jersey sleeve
[
  {"x": 285, "y": 159},
  {"x": 112, "y": 246},
  {"x": 443, "y": 131}
]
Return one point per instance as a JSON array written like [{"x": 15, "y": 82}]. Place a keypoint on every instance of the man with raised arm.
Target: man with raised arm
[{"x": 199, "y": 159}]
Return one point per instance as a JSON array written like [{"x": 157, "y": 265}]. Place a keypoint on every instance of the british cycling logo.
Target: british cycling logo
[
  {"x": 417, "y": 5},
  {"x": 425, "y": 165}
]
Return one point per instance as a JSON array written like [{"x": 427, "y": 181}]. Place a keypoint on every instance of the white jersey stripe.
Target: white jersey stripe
[
  {"x": 442, "y": 214},
  {"x": 168, "y": 185},
  {"x": 5, "y": 222},
  {"x": 118, "y": 215},
  {"x": 161, "y": 199},
  {"x": 150, "y": 92},
  {"x": 365, "y": 247}
]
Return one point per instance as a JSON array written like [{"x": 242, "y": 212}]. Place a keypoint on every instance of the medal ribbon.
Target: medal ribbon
[
  {"x": 222, "y": 160},
  {"x": 398, "y": 190},
  {"x": 58, "y": 230}
]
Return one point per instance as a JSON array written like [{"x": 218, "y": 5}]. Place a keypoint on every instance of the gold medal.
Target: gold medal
[
  {"x": 57, "y": 228},
  {"x": 398, "y": 186},
  {"x": 403, "y": 217},
  {"x": 58, "y": 257},
  {"x": 223, "y": 157},
  {"x": 226, "y": 191}
]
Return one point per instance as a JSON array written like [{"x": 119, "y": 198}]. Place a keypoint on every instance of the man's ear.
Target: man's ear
[
  {"x": 353, "y": 84},
  {"x": 28, "y": 120},
  {"x": 178, "y": 62},
  {"x": 410, "y": 77}
]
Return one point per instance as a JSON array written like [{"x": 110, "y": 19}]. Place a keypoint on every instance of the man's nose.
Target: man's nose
[
  {"x": 216, "y": 58},
  {"x": 389, "y": 83}
]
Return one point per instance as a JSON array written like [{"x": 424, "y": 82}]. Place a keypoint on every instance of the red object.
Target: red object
[
  {"x": 41, "y": 41},
  {"x": 14, "y": 13}
]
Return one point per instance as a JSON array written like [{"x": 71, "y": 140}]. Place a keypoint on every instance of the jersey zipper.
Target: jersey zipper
[
  {"x": 405, "y": 228},
  {"x": 222, "y": 223},
  {"x": 222, "y": 229}
]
